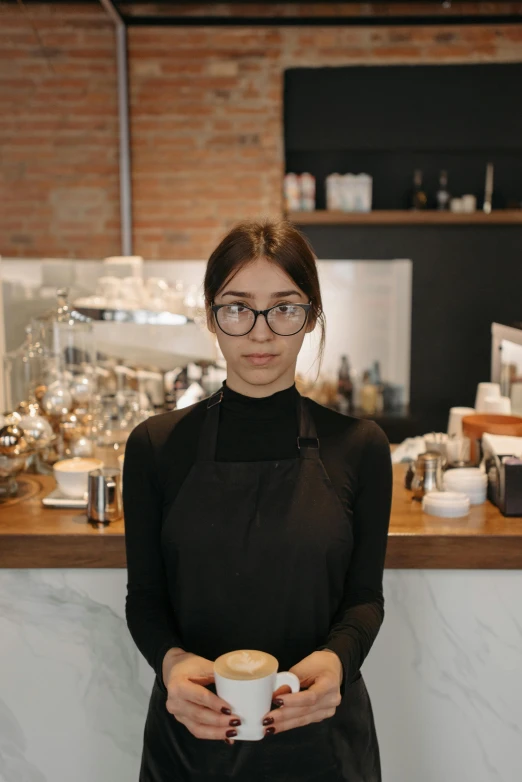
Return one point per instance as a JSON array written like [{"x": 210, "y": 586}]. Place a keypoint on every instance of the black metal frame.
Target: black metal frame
[
  {"x": 216, "y": 307},
  {"x": 367, "y": 20}
]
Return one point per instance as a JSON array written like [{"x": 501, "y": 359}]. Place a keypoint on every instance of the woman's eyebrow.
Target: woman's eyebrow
[{"x": 246, "y": 295}]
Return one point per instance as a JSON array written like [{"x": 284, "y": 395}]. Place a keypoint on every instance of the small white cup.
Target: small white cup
[
  {"x": 251, "y": 699},
  {"x": 469, "y": 203},
  {"x": 72, "y": 475},
  {"x": 456, "y": 205},
  {"x": 455, "y": 420},
  {"x": 497, "y": 404},
  {"x": 484, "y": 390}
]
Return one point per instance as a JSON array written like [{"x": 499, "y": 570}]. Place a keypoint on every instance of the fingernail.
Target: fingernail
[
  {"x": 227, "y": 741},
  {"x": 268, "y": 720},
  {"x": 235, "y": 722},
  {"x": 269, "y": 731},
  {"x": 225, "y": 710},
  {"x": 231, "y": 733},
  {"x": 279, "y": 702}
]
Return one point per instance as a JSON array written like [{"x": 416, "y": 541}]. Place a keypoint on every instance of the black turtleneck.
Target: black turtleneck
[{"x": 158, "y": 457}]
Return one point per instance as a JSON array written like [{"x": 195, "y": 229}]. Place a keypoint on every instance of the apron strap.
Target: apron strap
[
  {"x": 307, "y": 440},
  {"x": 207, "y": 444}
]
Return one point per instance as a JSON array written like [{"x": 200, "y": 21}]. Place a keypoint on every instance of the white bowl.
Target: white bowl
[
  {"x": 447, "y": 504},
  {"x": 72, "y": 475},
  {"x": 465, "y": 485}
]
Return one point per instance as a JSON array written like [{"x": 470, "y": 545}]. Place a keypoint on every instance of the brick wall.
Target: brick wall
[
  {"x": 206, "y": 122},
  {"x": 58, "y": 132}
]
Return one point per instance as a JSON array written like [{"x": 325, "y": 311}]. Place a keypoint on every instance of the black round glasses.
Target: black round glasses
[{"x": 236, "y": 320}]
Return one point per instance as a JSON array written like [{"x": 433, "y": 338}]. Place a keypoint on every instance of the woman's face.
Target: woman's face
[{"x": 260, "y": 358}]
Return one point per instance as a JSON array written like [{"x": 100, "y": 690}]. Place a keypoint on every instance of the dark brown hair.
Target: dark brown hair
[{"x": 279, "y": 242}]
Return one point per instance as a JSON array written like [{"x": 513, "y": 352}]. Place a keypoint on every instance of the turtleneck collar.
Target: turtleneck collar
[{"x": 276, "y": 405}]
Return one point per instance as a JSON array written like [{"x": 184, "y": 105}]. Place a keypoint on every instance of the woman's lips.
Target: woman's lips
[{"x": 260, "y": 359}]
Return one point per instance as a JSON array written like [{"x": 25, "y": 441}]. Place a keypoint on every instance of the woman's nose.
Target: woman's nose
[{"x": 261, "y": 329}]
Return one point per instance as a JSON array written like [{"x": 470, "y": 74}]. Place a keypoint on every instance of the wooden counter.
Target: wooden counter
[{"x": 32, "y": 536}]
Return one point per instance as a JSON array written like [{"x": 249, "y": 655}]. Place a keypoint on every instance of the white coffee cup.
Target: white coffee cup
[
  {"x": 484, "y": 390},
  {"x": 72, "y": 475},
  {"x": 251, "y": 698}
]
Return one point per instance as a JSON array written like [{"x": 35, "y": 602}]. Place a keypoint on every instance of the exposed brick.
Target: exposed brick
[{"x": 206, "y": 119}]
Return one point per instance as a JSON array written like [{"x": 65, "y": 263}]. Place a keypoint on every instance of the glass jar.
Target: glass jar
[{"x": 24, "y": 371}]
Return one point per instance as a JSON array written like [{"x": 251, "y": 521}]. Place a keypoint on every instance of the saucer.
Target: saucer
[{"x": 56, "y": 499}]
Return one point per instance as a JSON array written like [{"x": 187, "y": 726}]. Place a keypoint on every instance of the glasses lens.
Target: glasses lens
[
  {"x": 235, "y": 319},
  {"x": 286, "y": 319}
]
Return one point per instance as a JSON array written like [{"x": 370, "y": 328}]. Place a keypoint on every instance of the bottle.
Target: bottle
[
  {"x": 376, "y": 380},
  {"x": 292, "y": 192},
  {"x": 368, "y": 395},
  {"x": 443, "y": 196},
  {"x": 307, "y": 192},
  {"x": 344, "y": 386},
  {"x": 419, "y": 199}
]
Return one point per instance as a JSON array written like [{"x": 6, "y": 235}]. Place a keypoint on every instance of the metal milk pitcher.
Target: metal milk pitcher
[{"x": 104, "y": 503}]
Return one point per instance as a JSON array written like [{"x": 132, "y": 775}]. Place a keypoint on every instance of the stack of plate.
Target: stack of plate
[
  {"x": 450, "y": 504},
  {"x": 468, "y": 480}
]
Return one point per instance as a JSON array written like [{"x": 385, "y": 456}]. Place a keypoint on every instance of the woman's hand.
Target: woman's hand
[
  {"x": 191, "y": 703},
  {"x": 321, "y": 673}
]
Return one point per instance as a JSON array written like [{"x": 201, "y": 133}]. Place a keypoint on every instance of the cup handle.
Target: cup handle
[{"x": 287, "y": 678}]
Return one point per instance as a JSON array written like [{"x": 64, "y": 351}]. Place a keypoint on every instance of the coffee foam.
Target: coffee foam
[
  {"x": 78, "y": 465},
  {"x": 246, "y": 664}
]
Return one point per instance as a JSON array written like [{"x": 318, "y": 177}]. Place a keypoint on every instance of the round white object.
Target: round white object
[
  {"x": 447, "y": 504},
  {"x": 501, "y": 405},
  {"x": 72, "y": 475},
  {"x": 456, "y": 415},
  {"x": 485, "y": 390}
]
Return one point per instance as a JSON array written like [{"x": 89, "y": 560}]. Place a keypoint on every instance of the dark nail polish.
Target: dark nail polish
[
  {"x": 269, "y": 731},
  {"x": 235, "y": 723},
  {"x": 268, "y": 720},
  {"x": 225, "y": 710},
  {"x": 231, "y": 733},
  {"x": 279, "y": 702}
]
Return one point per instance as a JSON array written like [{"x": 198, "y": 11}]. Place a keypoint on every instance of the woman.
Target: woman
[{"x": 258, "y": 519}]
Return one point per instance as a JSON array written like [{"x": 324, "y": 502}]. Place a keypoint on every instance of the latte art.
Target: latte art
[{"x": 245, "y": 664}]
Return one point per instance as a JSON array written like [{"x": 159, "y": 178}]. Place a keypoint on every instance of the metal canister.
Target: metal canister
[
  {"x": 104, "y": 503},
  {"x": 428, "y": 474}
]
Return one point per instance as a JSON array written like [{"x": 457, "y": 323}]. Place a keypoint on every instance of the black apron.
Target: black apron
[{"x": 260, "y": 553}]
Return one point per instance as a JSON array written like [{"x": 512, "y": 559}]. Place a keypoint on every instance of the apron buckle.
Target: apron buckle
[
  {"x": 307, "y": 442},
  {"x": 215, "y": 400}
]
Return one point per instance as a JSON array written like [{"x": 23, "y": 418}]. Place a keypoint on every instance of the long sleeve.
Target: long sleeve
[
  {"x": 361, "y": 613},
  {"x": 149, "y": 616}
]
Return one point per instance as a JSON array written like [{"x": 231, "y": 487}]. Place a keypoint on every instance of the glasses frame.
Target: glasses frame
[{"x": 216, "y": 307}]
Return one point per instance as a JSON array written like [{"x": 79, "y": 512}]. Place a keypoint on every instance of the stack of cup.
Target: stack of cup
[
  {"x": 448, "y": 504},
  {"x": 489, "y": 400},
  {"x": 470, "y": 481}
]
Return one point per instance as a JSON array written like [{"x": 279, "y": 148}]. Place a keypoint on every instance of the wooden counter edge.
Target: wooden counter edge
[{"x": 460, "y": 552}]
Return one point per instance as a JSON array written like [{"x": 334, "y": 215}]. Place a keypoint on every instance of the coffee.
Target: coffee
[{"x": 245, "y": 665}]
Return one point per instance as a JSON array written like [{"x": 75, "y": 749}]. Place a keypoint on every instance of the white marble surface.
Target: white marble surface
[{"x": 445, "y": 677}]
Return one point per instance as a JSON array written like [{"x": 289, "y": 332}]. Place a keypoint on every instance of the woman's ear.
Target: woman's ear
[
  {"x": 210, "y": 320},
  {"x": 311, "y": 324}
]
